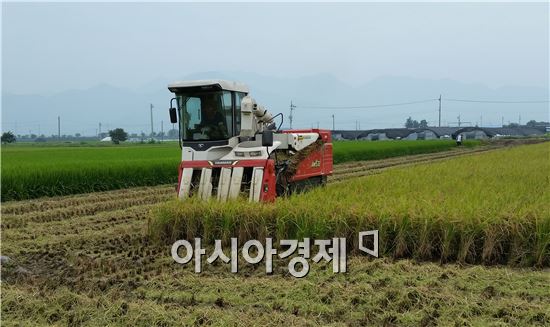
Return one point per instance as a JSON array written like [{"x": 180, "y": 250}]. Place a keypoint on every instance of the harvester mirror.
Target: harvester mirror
[
  {"x": 267, "y": 138},
  {"x": 173, "y": 115}
]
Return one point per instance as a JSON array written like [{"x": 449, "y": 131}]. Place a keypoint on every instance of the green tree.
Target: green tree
[
  {"x": 173, "y": 134},
  {"x": 118, "y": 135},
  {"x": 423, "y": 123},
  {"x": 8, "y": 137},
  {"x": 409, "y": 123},
  {"x": 413, "y": 123}
]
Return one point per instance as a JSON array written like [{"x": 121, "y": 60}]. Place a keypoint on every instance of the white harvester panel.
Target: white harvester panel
[
  {"x": 300, "y": 141},
  {"x": 256, "y": 184},
  {"x": 205, "y": 186},
  {"x": 185, "y": 184},
  {"x": 223, "y": 184},
  {"x": 236, "y": 179}
]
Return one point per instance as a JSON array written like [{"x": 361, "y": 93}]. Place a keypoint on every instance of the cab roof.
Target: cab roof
[{"x": 217, "y": 84}]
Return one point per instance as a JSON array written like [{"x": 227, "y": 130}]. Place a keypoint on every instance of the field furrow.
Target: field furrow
[
  {"x": 11, "y": 221},
  {"x": 364, "y": 168},
  {"x": 73, "y": 230},
  {"x": 362, "y": 165},
  {"x": 52, "y": 203}
]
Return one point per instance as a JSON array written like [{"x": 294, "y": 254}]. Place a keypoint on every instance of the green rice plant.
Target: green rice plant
[
  {"x": 373, "y": 150},
  {"x": 487, "y": 208},
  {"x": 31, "y": 171}
]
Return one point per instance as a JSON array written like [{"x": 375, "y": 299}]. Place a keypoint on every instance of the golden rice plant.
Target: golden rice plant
[{"x": 488, "y": 208}]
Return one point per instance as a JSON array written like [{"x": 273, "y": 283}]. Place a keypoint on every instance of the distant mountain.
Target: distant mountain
[{"x": 81, "y": 111}]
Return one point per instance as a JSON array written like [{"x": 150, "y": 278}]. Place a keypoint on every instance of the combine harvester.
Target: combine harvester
[{"x": 232, "y": 147}]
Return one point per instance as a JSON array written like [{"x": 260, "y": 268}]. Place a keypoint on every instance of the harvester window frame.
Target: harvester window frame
[
  {"x": 183, "y": 99},
  {"x": 230, "y": 125},
  {"x": 237, "y": 111}
]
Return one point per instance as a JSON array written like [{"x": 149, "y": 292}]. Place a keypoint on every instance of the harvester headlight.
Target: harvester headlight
[
  {"x": 239, "y": 154},
  {"x": 255, "y": 153}
]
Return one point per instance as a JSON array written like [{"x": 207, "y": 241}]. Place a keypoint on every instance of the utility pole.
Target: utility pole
[
  {"x": 333, "y": 122},
  {"x": 519, "y": 120},
  {"x": 502, "y": 121},
  {"x": 59, "y": 127},
  {"x": 460, "y": 122},
  {"x": 291, "y": 111},
  {"x": 162, "y": 130},
  {"x": 481, "y": 121},
  {"x": 152, "y": 131},
  {"x": 99, "y": 135},
  {"x": 440, "y": 110}
]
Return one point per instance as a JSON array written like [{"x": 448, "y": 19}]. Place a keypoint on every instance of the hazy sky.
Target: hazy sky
[{"x": 48, "y": 48}]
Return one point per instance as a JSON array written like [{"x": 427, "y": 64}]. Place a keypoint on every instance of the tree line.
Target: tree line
[{"x": 412, "y": 123}]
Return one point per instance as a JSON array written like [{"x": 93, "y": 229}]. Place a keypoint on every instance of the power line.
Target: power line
[
  {"x": 418, "y": 101},
  {"x": 495, "y": 101},
  {"x": 439, "y": 124},
  {"x": 152, "y": 130},
  {"x": 291, "y": 116},
  {"x": 302, "y": 119},
  {"x": 367, "y": 107}
]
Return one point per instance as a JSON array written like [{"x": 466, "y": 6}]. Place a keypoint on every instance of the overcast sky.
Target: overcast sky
[{"x": 49, "y": 48}]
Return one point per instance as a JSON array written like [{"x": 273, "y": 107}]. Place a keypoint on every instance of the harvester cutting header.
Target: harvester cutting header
[{"x": 231, "y": 145}]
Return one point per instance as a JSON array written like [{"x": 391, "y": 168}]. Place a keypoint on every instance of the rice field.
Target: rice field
[
  {"x": 33, "y": 171},
  {"x": 492, "y": 208},
  {"x": 89, "y": 260},
  {"x": 345, "y": 151}
]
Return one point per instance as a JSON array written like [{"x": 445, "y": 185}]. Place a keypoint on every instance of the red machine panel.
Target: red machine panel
[{"x": 318, "y": 163}]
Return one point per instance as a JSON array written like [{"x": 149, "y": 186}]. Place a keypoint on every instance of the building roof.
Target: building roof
[
  {"x": 508, "y": 131},
  {"x": 442, "y": 131},
  {"x": 221, "y": 84},
  {"x": 393, "y": 133}
]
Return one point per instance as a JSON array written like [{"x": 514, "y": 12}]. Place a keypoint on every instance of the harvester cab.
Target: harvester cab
[{"x": 232, "y": 147}]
